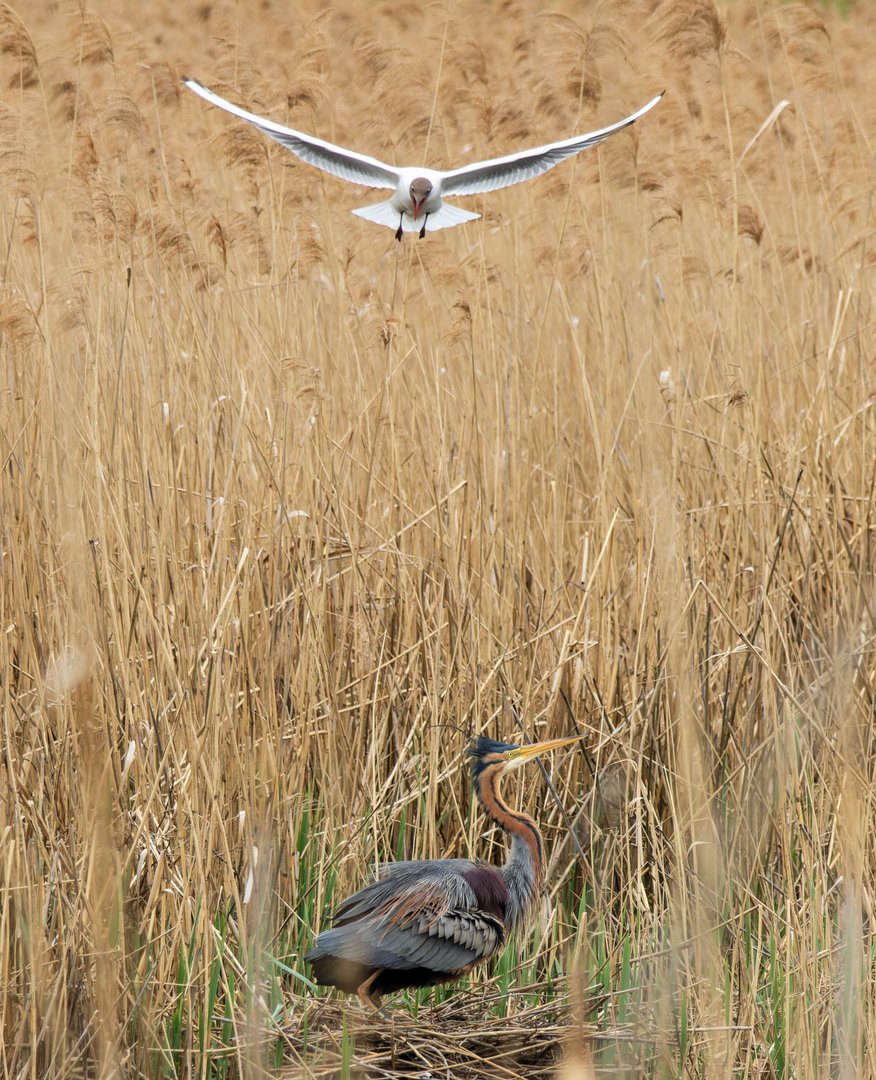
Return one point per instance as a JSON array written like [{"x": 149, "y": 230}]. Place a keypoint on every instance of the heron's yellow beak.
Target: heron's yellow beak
[{"x": 527, "y": 753}]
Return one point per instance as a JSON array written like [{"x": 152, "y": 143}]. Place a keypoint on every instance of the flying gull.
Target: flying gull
[{"x": 417, "y": 197}]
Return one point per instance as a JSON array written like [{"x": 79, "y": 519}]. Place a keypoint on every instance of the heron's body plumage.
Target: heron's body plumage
[{"x": 414, "y": 926}]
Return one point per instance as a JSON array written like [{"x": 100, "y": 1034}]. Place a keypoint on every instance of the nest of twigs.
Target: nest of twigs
[{"x": 461, "y": 1038}]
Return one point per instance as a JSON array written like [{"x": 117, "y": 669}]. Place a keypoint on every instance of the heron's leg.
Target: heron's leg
[
  {"x": 368, "y": 998},
  {"x": 423, "y": 230},
  {"x": 398, "y": 231}
]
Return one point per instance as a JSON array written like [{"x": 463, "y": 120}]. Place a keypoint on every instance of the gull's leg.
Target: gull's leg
[
  {"x": 398, "y": 231},
  {"x": 423, "y": 230}
]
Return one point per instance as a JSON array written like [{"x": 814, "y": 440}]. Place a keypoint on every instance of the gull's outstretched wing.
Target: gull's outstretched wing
[
  {"x": 346, "y": 164},
  {"x": 504, "y": 171}
]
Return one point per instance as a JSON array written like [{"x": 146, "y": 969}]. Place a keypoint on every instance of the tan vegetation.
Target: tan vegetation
[{"x": 287, "y": 510}]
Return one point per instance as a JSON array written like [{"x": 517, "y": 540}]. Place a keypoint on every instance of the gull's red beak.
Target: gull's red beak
[{"x": 417, "y": 204}]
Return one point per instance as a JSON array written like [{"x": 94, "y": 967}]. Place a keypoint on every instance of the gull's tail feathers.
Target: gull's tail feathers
[
  {"x": 448, "y": 216},
  {"x": 384, "y": 213}
]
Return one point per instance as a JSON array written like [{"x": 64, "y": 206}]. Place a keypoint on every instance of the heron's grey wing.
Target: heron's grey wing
[
  {"x": 513, "y": 169},
  {"x": 346, "y": 164},
  {"x": 408, "y": 870},
  {"x": 452, "y": 942},
  {"x": 428, "y": 923},
  {"x": 402, "y": 878}
]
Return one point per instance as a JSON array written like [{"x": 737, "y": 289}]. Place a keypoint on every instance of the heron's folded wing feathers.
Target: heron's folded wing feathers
[
  {"x": 454, "y": 941},
  {"x": 402, "y": 879},
  {"x": 420, "y": 917}
]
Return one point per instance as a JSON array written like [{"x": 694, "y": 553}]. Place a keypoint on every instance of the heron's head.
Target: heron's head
[
  {"x": 486, "y": 752},
  {"x": 421, "y": 189}
]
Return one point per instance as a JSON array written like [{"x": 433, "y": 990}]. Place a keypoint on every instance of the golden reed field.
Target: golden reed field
[{"x": 290, "y": 511}]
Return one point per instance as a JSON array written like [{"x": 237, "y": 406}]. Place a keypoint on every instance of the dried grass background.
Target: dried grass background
[{"x": 282, "y": 499}]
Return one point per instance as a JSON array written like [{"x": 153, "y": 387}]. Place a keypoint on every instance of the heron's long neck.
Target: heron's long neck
[{"x": 524, "y": 868}]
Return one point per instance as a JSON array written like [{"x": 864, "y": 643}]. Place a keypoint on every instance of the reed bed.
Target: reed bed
[{"x": 289, "y": 511}]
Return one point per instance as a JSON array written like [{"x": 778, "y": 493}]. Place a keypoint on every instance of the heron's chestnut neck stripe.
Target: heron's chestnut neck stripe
[{"x": 519, "y": 824}]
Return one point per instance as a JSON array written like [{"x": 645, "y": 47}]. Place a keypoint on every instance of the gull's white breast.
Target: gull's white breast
[{"x": 402, "y": 198}]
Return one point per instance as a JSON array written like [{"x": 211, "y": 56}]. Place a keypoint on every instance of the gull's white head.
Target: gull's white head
[{"x": 421, "y": 189}]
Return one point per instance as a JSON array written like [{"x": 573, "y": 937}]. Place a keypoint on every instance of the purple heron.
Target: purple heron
[{"x": 431, "y": 921}]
